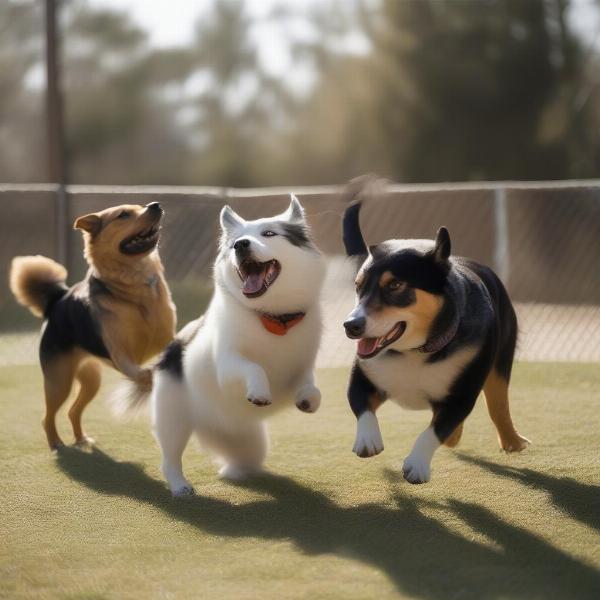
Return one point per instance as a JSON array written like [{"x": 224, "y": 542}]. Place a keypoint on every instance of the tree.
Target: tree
[
  {"x": 120, "y": 129},
  {"x": 464, "y": 86},
  {"x": 21, "y": 105}
]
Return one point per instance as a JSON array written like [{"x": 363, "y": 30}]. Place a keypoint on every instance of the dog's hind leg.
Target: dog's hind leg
[
  {"x": 172, "y": 429},
  {"x": 243, "y": 451},
  {"x": 89, "y": 376},
  {"x": 496, "y": 398},
  {"x": 59, "y": 372}
]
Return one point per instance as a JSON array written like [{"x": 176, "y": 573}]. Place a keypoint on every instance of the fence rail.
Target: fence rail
[{"x": 542, "y": 239}]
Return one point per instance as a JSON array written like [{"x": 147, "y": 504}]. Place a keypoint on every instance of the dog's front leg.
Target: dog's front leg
[
  {"x": 447, "y": 416},
  {"x": 308, "y": 396},
  {"x": 126, "y": 365},
  {"x": 232, "y": 368},
  {"x": 364, "y": 399}
]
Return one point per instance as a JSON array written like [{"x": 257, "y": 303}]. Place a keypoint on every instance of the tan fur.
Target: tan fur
[
  {"x": 385, "y": 279},
  {"x": 360, "y": 279},
  {"x": 375, "y": 401},
  {"x": 136, "y": 317},
  {"x": 496, "y": 398},
  {"x": 58, "y": 382},
  {"x": 29, "y": 276},
  {"x": 422, "y": 313},
  {"x": 425, "y": 310},
  {"x": 454, "y": 437}
]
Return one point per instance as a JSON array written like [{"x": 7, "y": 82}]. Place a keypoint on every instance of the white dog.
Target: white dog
[{"x": 252, "y": 352}]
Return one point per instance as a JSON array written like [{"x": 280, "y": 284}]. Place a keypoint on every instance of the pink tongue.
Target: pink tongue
[
  {"x": 254, "y": 283},
  {"x": 367, "y": 345}
]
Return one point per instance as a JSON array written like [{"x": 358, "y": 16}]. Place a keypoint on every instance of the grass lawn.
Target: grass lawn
[{"x": 323, "y": 524}]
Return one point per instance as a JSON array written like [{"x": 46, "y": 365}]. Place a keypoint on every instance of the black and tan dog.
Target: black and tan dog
[
  {"x": 433, "y": 331},
  {"x": 121, "y": 313}
]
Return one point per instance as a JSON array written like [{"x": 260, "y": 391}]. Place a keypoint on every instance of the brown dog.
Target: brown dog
[{"x": 121, "y": 312}]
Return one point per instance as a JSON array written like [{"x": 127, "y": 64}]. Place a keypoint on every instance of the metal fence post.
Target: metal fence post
[
  {"x": 501, "y": 236},
  {"x": 57, "y": 170}
]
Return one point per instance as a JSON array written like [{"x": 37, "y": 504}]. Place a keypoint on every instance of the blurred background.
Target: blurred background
[
  {"x": 304, "y": 92},
  {"x": 244, "y": 101}
]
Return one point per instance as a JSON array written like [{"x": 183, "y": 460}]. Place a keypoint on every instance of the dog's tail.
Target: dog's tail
[
  {"x": 358, "y": 190},
  {"x": 37, "y": 282},
  {"x": 353, "y": 238},
  {"x": 131, "y": 397}
]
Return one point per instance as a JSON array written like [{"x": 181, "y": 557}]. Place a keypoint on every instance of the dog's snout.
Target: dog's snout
[
  {"x": 154, "y": 207},
  {"x": 241, "y": 245},
  {"x": 355, "y": 327}
]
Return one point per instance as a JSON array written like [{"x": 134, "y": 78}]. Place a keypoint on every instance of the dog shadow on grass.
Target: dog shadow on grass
[
  {"x": 580, "y": 501},
  {"x": 423, "y": 557}
]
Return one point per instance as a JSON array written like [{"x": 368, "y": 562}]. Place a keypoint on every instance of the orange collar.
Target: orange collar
[{"x": 280, "y": 324}]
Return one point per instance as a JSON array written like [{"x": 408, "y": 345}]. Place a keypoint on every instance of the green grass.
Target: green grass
[{"x": 324, "y": 524}]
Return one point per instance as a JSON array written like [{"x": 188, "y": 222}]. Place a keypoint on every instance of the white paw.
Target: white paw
[
  {"x": 514, "y": 443},
  {"x": 416, "y": 469},
  {"x": 237, "y": 473},
  {"x": 182, "y": 491},
  {"x": 368, "y": 436},
  {"x": 259, "y": 398},
  {"x": 85, "y": 442},
  {"x": 308, "y": 399}
]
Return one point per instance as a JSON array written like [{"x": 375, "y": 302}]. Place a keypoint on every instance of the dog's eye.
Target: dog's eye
[
  {"x": 124, "y": 214},
  {"x": 268, "y": 233},
  {"x": 396, "y": 285}
]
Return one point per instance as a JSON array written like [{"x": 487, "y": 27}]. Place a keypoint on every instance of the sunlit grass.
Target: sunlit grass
[{"x": 324, "y": 524}]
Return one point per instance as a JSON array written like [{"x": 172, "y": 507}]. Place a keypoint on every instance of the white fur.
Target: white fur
[
  {"x": 417, "y": 465},
  {"x": 233, "y": 358},
  {"x": 368, "y": 436},
  {"x": 411, "y": 381}
]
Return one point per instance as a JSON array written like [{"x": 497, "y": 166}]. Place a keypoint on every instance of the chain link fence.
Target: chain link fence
[{"x": 543, "y": 239}]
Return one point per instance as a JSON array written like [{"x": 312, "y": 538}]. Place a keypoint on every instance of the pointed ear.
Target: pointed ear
[
  {"x": 376, "y": 252},
  {"x": 441, "y": 251},
  {"x": 229, "y": 218},
  {"x": 91, "y": 223},
  {"x": 294, "y": 212}
]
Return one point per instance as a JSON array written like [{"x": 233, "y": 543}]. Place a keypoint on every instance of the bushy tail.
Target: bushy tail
[
  {"x": 37, "y": 282},
  {"x": 131, "y": 397}
]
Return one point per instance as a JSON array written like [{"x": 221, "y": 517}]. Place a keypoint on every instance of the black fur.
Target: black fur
[
  {"x": 52, "y": 292},
  {"x": 416, "y": 269},
  {"x": 296, "y": 234},
  {"x": 353, "y": 238},
  {"x": 171, "y": 360},
  {"x": 70, "y": 322},
  {"x": 360, "y": 390}
]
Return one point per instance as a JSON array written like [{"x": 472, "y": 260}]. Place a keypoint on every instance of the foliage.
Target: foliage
[{"x": 444, "y": 90}]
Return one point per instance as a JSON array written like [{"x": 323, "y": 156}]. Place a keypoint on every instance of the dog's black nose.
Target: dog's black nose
[
  {"x": 241, "y": 245},
  {"x": 355, "y": 327},
  {"x": 154, "y": 207}
]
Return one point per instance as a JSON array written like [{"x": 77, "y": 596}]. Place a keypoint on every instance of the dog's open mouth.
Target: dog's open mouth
[
  {"x": 141, "y": 242},
  {"x": 257, "y": 277},
  {"x": 369, "y": 347}
]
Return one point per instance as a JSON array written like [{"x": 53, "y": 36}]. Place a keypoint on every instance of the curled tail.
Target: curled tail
[{"x": 37, "y": 282}]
